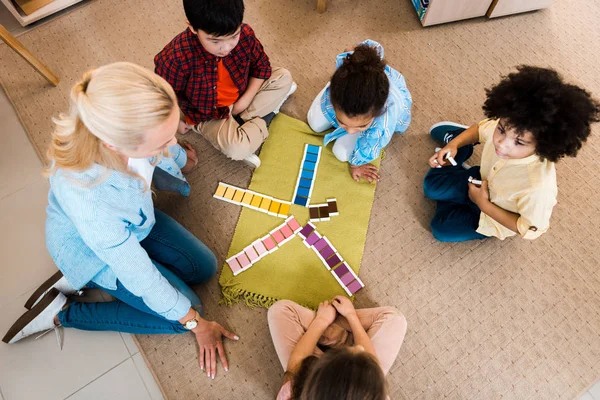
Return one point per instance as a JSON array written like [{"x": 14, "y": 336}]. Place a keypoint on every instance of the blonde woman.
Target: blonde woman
[{"x": 102, "y": 229}]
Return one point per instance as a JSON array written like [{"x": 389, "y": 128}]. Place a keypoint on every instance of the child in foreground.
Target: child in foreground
[
  {"x": 223, "y": 79},
  {"x": 360, "y": 348},
  {"x": 366, "y": 102},
  {"x": 534, "y": 120}
]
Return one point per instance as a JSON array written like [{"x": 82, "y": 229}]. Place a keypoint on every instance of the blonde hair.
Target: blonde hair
[{"x": 114, "y": 104}]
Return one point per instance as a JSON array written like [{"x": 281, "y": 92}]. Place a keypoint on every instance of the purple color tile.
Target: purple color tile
[
  {"x": 327, "y": 252},
  {"x": 341, "y": 270},
  {"x": 346, "y": 279},
  {"x": 333, "y": 260},
  {"x": 354, "y": 287},
  {"x": 307, "y": 230},
  {"x": 320, "y": 244},
  {"x": 312, "y": 239}
]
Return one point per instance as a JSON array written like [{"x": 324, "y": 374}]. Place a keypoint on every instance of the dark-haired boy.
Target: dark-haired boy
[
  {"x": 219, "y": 70},
  {"x": 534, "y": 120}
]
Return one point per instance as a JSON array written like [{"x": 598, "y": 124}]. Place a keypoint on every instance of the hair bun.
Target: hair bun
[
  {"x": 81, "y": 86},
  {"x": 365, "y": 57}
]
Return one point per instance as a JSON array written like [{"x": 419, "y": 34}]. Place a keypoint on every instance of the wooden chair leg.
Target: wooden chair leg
[
  {"x": 14, "y": 44},
  {"x": 321, "y": 6}
]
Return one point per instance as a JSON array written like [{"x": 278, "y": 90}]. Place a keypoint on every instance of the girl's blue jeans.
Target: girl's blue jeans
[
  {"x": 456, "y": 217},
  {"x": 178, "y": 255}
]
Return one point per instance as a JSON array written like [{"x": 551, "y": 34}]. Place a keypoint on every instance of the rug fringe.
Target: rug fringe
[{"x": 232, "y": 295}]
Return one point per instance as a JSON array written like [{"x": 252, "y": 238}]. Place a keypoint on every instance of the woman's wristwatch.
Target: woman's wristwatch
[{"x": 192, "y": 323}]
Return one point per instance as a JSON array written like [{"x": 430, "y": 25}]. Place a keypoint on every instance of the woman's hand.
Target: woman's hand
[
  {"x": 479, "y": 194},
  {"x": 344, "y": 306},
  {"x": 367, "y": 171},
  {"x": 325, "y": 314},
  {"x": 209, "y": 336},
  {"x": 192, "y": 158},
  {"x": 438, "y": 160}
]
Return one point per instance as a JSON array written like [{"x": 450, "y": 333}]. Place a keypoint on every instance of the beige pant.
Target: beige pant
[
  {"x": 238, "y": 141},
  {"x": 386, "y": 327}
]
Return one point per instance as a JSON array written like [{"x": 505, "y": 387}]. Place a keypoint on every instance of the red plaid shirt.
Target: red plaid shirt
[{"x": 192, "y": 71}]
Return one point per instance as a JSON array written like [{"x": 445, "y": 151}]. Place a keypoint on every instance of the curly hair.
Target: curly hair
[
  {"x": 360, "y": 86},
  {"x": 537, "y": 100}
]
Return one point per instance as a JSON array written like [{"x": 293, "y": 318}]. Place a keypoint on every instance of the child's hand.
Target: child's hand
[
  {"x": 326, "y": 313},
  {"x": 343, "y": 306},
  {"x": 479, "y": 194},
  {"x": 240, "y": 105},
  {"x": 367, "y": 171},
  {"x": 184, "y": 128},
  {"x": 439, "y": 158},
  {"x": 192, "y": 158}
]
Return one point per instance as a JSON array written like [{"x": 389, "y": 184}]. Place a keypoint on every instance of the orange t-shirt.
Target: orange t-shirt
[{"x": 227, "y": 92}]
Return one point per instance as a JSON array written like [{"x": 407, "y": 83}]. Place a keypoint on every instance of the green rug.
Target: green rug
[{"x": 294, "y": 271}]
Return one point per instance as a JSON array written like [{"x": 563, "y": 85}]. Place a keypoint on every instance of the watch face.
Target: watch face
[{"x": 191, "y": 324}]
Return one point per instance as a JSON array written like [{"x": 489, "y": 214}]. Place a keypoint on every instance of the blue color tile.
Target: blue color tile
[
  {"x": 307, "y": 174},
  {"x": 302, "y": 192},
  {"x": 301, "y": 201},
  {"x": 313, "y": 149},
  {"x": 311, "y": 157},
  {"x": 305, "y": 183},
  {"x": 309, "y": 165}
]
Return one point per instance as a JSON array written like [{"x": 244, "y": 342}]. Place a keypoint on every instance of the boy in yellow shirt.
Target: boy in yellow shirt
[{"x": 534, "y": 120}]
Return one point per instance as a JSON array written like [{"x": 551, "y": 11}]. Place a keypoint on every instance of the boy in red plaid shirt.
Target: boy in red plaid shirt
[{"x": 223, "y": 79}]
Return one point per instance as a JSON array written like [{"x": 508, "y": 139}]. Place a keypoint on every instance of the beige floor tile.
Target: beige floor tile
[
  {"x": 38, "y": 369},
  {"x": 130, "y": 343},
  {"x": 121, "y": 382},
  {"x": 25, "y": 261},
  {"x": 595, "y": 391},
  {"x": 19, "y": 165},
  {"x": 155, "y": 393}
]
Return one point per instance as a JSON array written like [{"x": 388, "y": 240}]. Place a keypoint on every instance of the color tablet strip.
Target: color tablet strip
[
  {"x": 323, "y": 212},
  {"x": 264, "y": 246},
  {"x": 331, "y": 259},
  {"x": 306, "y": 177},
  {"x": 253, "y": 200}
]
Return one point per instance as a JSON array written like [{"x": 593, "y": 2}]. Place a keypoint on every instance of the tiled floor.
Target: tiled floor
[{"x": 92, "y": 365}]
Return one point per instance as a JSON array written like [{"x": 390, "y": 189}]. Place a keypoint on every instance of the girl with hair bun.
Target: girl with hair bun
[{"x": 366, "y": 102}]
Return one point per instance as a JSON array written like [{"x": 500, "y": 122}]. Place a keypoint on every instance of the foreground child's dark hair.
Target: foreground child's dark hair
[
  {"x": 215, "y": 17},
  {"x": 537, "y": 100},
  {"x": 340, "y": 374},
  {"x": 360, "y": 86}
]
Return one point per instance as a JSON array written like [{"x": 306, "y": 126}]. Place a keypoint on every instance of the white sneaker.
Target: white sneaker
[
  {"x": 290, "y": 92},
  {"x": 252, "y": 161},
  {"x": 39, "y": 319},
  {"x": 57, "y": 281}
]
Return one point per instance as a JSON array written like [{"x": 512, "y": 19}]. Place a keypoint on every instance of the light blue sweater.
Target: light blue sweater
[{"x": 95, "y": 222}]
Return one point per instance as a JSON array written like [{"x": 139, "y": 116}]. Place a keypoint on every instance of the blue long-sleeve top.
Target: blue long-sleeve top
[
  {"x": 95, "y": 222},
  {"x": 396, "y": 116}
]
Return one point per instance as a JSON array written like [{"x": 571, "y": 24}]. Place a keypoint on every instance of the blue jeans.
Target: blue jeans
[
  {"x": 178, "y": 255},
  {"x": 456, "y": 217}
]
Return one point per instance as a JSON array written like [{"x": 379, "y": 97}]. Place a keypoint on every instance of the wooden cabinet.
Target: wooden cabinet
[
  {"x": 500, "y": 8},
  {"x": 433, "y": 12}
]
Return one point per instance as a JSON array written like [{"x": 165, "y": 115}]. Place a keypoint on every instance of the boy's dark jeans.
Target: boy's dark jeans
[{"x": 456, "y": 217}]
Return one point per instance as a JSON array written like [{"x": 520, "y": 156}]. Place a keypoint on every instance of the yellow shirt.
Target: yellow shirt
[{"x": 525, "y": 186}]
